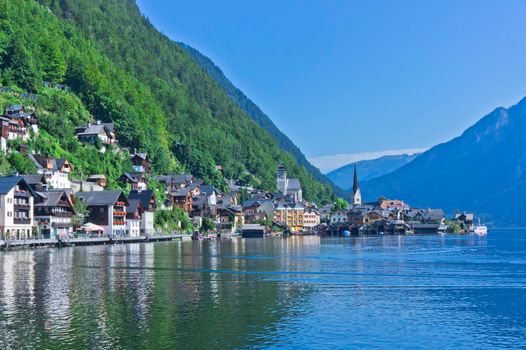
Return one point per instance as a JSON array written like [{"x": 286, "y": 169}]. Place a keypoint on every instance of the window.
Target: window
[{"x": 9, "y": 213}]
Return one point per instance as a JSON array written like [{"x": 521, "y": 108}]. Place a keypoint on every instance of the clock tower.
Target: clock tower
[{"x": 281, "y": 178}]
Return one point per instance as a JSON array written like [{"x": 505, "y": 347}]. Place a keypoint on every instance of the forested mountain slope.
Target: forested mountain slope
[
  {"x": 247, "y": 105},
  {"x": 483, "y": 170},
  {"x": 124, "y": 70}
]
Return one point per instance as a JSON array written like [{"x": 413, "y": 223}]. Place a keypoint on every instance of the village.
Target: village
[{"x": 48, "y": 204}]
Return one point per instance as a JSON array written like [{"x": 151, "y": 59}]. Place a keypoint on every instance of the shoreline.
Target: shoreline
[{"x": 86, "y": 241}]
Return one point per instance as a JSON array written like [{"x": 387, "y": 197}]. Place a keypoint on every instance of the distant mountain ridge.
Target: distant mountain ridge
[
  {"x": 368, "y": 169},
  {"x": 483, "y": 170},
  {"x": 249, "y": 107}
]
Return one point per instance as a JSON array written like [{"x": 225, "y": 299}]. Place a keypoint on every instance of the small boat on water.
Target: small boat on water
[{"x": 480, "y": 230}]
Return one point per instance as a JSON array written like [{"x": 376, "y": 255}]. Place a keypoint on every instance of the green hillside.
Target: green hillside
[
  {"x": 123, "y": 70},
  {"x": 247, "y": 105}
]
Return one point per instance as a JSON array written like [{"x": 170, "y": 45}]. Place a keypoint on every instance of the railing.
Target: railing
[
  {"x": 21, "y": 205},
  {"x": 22, "y": 221}
]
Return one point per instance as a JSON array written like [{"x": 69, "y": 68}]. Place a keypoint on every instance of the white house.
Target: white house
[
  {"x": 133, "y": 218},
  {"x": 339, "y": 216},
  {"x": 311, "y": 218},
  {"x": 16, "y": 208},
  {"x": 148, "y": 205},
  {"x": 56, "y": 170}
]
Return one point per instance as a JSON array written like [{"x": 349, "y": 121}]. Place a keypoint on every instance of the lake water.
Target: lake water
[{"x": 462, "y": 292}]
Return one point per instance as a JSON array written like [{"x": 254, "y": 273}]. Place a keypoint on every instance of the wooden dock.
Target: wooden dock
[{"x": 80, "y": 241}]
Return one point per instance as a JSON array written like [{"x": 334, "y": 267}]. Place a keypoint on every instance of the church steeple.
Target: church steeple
[{"x": 356, "y": 193}]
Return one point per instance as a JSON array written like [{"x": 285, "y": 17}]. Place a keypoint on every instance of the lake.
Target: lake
[{"x": 462, "y": 292}]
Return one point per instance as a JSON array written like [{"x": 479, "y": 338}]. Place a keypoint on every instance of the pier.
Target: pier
[{"x": 82, "y": 241}]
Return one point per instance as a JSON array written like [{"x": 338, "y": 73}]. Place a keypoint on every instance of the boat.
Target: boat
[{"x": 480, "y": 230}]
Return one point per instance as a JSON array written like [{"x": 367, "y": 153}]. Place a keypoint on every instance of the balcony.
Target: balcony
[
  {"x": 63, "y": 214},
  {"x": 21, "y": 205},
  {"x": 23, "y": 221}
]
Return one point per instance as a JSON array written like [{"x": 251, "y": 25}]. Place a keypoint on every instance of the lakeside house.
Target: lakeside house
[
  {"x": 230, "y": 218},
  {"x": 338, "y": 216},
  {"x": 134, "y": 212},
  {"x": 53, "y": 211},
  {"x": 16, "y": 208},
  {"x": 148, "y": 207},
  {"x": 311, "y": 218},
  {"x": 106, "y": 209},
  {"x": 291, "y": 215}
]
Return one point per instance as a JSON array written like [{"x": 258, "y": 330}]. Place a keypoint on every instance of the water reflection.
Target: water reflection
[{"x": 437, "y": 291}]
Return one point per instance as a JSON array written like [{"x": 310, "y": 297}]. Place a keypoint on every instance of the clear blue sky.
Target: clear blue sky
[{"x": 346, "y": 77}]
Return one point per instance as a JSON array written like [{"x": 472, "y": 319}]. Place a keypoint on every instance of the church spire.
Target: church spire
[
  {"x": 355, "y": 185},
  {"x": 356, "y": 193}
]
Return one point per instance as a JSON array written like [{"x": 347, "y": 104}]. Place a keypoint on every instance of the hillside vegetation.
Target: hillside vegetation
[
  {"x": 247, "y": 105},
  {"x": 121, "y": 69}
]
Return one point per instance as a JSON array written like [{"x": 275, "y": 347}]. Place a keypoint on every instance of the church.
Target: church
[{"x": 289, "y": 188}]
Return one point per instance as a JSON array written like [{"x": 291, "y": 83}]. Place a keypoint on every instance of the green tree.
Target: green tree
[
  {"x": 55, "y": 63},
  {"x": 208, "y": 224},
  {"x": 340, "y": 204},
  {"x": 80, "y": 213},
  {"x": 22, "y": 62},
  {"x": 20, "y": 163}
]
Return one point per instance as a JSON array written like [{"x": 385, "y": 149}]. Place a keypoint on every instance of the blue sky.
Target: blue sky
[{"x": 348, "y": 78}]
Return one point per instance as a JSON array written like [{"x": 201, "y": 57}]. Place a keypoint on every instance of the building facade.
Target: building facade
[
  {"x": 16, "y": 208},
  {"x": 106, "y": 209}
]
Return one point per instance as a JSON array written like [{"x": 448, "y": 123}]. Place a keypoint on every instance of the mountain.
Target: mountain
[
  {"x": 483, "y": 170},
  {"x": 247, "y": 105},
  {"x": 368, "y": 169},
  {"x": 121, "y": 69}
]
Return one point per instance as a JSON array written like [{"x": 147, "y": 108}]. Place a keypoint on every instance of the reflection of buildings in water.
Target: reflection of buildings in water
[
  {"x": 214, "y": 288},
  {"x": 55, "y": 286},
  {"x": 8, "y": 267},
  {"x": 141, "y": 256}
]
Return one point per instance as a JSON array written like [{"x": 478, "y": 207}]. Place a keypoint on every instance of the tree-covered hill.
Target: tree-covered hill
[
  {"x": 247, "y": 105},
  {"x": 123, "y": 70}
]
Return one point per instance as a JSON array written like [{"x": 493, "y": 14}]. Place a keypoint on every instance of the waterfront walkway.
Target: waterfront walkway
[{"x": 55, "y": 242}]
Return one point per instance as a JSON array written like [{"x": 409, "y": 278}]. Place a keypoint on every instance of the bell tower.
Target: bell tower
[{"x": 281, "y": 178}]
